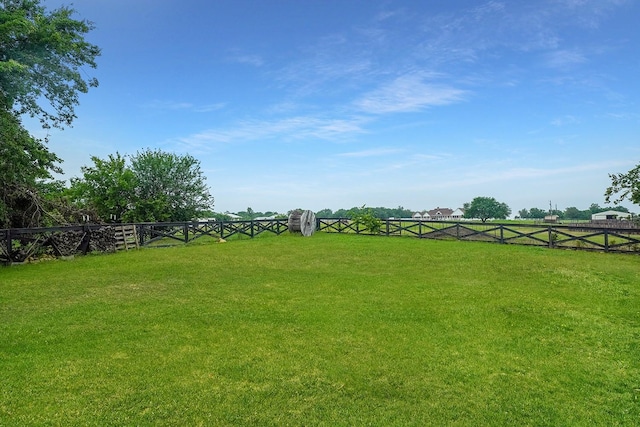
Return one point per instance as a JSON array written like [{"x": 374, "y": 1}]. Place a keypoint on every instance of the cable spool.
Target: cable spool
[{"x": 302, "y": 222}]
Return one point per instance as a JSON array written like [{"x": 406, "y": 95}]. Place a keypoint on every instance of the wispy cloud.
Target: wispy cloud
[
  {"x": 564, "y": 59},
  {"x": 623, "y": 116},
  {"x": 186, "y": 106},
  {"x": 374, "y": 152},
  {"x": 566, "y": 120},
  {"x": 409, "y": 93},
  {"x": 287, "y": 129},
  {"x": 247, "y": 59},
  {"x": 511, "y": 174}
]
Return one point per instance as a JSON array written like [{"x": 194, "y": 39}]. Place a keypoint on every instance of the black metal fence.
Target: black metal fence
[{"x": 19, "y": 245}]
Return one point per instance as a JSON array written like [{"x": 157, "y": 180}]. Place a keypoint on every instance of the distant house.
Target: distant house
[
  {"x": 440, "y": 214},
  {"x": 551, "y": 218},
  {"x": 609, "y": 215},
  {"x": 234, "y": 217},
  {"x": 457, "y": 214}
]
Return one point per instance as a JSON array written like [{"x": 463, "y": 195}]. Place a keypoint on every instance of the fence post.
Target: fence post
[
  {"x": 550, "y": 237},
  {"x": 252, "y": 229},
  {"x": 86, "y": 239},
  {"x": 185, "y": 231},
  {"x": 606, "y": 240},
  {"x": 387, "y": 232},
  {"x": 140, "y": 231},
  {"x": 222, "y": 228},
  {"x": 9, "y": 246},
  {"x": 501, "y": 233}
]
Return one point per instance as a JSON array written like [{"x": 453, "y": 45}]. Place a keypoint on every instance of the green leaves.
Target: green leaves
[
  {"x": 365, "y": 216},
  {"x": 156, "y": 186},
  {"x": 625, "y": 186},
  {"x": 484, "y": 208},
  {"x": 42, "y": 55},
  {"x": 24, "y": 160},
  {"x": 108, "y": 186}
]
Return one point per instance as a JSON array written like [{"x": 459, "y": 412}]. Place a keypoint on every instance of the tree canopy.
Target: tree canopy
[
  {"x": 624, "y": 186},
  {"x": 155, "y": 186},
  {"x": 485, "y": 208},
  {"x": 108, "y": 187},
  {"x": 23, "y": 161},
  {"x": 42, "y": 55}
]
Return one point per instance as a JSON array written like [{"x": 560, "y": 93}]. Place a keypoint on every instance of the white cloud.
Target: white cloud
[
  {"x": 566, "y": 120},
  {"x": 254, "y": 60},
  {"x": 408, "y": 94},
  {"x": 508, "y": 175},
  {"x": 564, "y": 59},
  {"x": 186, "y": 106},
  {"x": 374, "y": 152},
  {"x": 292, "y": 128}
]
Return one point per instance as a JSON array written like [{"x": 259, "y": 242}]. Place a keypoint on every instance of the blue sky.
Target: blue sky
[{"x": 334, "y": 104}]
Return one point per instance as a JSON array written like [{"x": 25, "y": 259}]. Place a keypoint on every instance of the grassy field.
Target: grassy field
[{"x": 328, "y": 330}]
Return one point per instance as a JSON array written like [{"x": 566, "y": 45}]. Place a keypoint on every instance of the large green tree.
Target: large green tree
[
  {"x": 107, "y": 187},
  {"x": 624, "y": 186},
  {"x": 153, "y": 186},
  {"x": 43, "y": 56},
  {"x": 24, "y": 160},
  {"x": 485, "y": 208},
  {"x": 169, "y": 187}
]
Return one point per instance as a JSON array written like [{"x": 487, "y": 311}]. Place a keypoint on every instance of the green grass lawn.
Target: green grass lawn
[{"x": 327, "y": 330}]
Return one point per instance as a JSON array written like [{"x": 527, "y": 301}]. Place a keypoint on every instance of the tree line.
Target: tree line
[{"x": 572, "y": 212}]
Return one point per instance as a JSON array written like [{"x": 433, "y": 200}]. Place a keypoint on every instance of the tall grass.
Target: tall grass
[{"x": 327, "y": 330}]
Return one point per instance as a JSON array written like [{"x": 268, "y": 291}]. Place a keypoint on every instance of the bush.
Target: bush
[{"x": 366, "y": 218}]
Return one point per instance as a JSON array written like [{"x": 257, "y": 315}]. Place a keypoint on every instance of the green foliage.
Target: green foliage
[
  {"x": 538, "y": 213},
  {"x": 250, "y": 214},
  {"x": 24, "y": 161},
  {"x": 365, "y": 217},
  {"x": 324, "y": 213},
  {"x": 168, "y": 186},
  {"x": 42, "y": 55},
  {"x": 157, "y": 186},
  {"x": 336, "y": 330},
  {"x": 571, "y": 213},
  {"x": 485, "y": 208},
  {"x": 108, "y": 186},
  {"x": 575, "y": 213},
  {"x": 624, "y": 186},
  {"x": 378, "y": 212}
]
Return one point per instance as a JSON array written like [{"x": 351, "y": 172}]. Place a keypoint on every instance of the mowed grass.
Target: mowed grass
[{"x": 328, "y": 330}]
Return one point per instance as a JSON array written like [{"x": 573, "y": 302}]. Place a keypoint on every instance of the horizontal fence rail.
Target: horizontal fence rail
[
  {"x": 583, "y": 236},
  {"x": 22, "y": 244}
]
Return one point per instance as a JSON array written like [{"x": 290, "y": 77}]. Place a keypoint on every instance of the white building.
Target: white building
[
  {"x": 609, "y": 215},
  {"x": 440, "y": 214}
]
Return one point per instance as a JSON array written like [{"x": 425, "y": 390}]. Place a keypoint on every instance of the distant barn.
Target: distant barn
[{"x": 610, "y": 215}]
